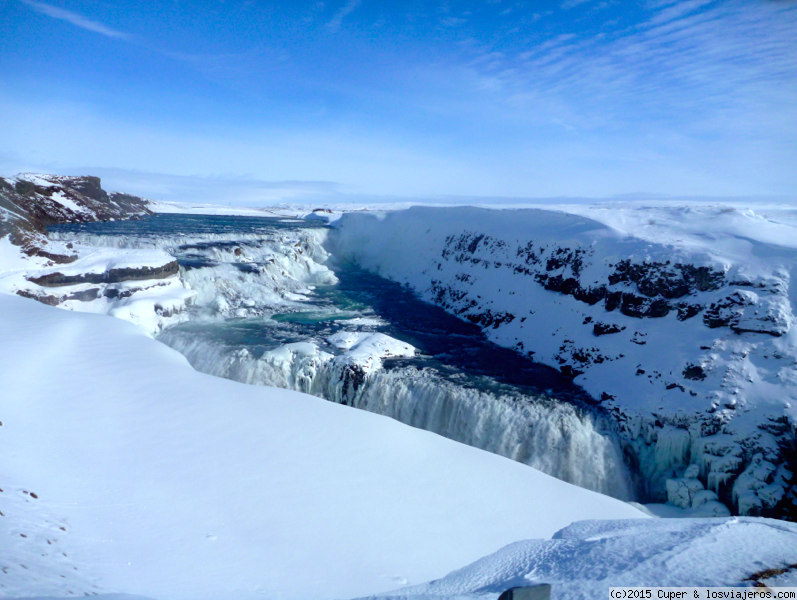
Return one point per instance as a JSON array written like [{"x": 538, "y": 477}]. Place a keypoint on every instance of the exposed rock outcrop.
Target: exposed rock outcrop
[
  {"x": 82, "y": 277},
  {"x": 58, "y": 279},
  {"x": 31, "y": 202}
]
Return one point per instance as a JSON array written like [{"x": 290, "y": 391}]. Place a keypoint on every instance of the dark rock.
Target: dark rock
[
  {"x": 488, "y": 318},
  {"x": 85, "y": 295},
  {"x": 694, "y": 372},
  {"x": 590, "y": 296},
  {"x": 118, "y": 294},
  {"x": 540, "y": 591},
  {"x": 687, "y": 311},
  {"x": 353, "y": 376},
  {"x": 24, "y": 187},
  {"x": 727, "y": 312},
  {"x": 600, "y": 329},
  {"x": 60, "y": 259},
  {"x": 43, "y": 298},
  {"x": 662, "y": 279},
  {"x": 613, "y": 300},
  {"x": 111, "y": 276},
  {"x": 632, "y": 305},
  {"x": 569, "y": 372}
]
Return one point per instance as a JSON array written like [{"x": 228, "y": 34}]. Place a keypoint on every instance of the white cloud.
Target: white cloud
[
  {"x": 336, "y": 21},
  {"x": 568, "y": 4},
  {"x": 453, "y": 21},
  {"x": 76, "y": 19}
]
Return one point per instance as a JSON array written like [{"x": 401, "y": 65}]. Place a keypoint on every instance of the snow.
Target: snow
[
  {"x": 584, "y": 560},
  {"x": 703, "y": 400},
  {"x": 173, "y": 484},
  {"x": 67, "y": 202},
  {"x": 125, "y": 470},
  {"x": 100, "y": 260},
  {"x": 365, "y": 347},
  {"x": 159, "y": 206},
  {"x": 151, "y": 304}
]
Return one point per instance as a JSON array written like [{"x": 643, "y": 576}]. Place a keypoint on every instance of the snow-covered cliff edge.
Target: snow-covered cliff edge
[
  {"x": 678, "y": 320},
  {"x": 139, "y": 285}
]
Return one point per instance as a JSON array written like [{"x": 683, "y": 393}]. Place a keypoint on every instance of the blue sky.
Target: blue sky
[{"x": 247, "y": 101}]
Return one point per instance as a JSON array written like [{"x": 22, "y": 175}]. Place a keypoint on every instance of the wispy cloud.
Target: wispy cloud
[
  {"x": 230, "y": 64},
  {"x": 337, "y": 20},
  {"x": 76, "y": 19},
  {"x": 453, "y": 21},
  {"x": 698, "y": 65},
  {"x": 568, "y": 4}
]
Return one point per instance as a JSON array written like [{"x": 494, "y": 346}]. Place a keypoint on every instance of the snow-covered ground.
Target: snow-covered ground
[
  {"x": 584, "y": 560},
  {"x": 289, "y": 211},
  {"x": 151, "y": 478}
]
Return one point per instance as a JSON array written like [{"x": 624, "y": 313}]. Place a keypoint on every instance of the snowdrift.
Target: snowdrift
[
  {"x": 124, "y": 470},
  {"x": 584, "y": 560}
]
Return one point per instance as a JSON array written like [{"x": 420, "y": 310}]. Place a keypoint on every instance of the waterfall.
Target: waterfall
[
  {"x": 251, "y": 276},
  {"x": 567, "y": 442}
]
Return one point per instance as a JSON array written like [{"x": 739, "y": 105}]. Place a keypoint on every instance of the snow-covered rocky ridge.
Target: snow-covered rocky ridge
[
  {"x": 677, "y": 319},
  {"x": 29, "y": 202},
  {"x": 139, "y": 285}
]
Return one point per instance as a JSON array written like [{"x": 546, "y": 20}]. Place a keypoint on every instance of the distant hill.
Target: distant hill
[{"x": 29, "y": 202}]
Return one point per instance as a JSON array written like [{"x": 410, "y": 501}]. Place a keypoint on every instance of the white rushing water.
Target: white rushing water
[{"x": 554, "y": 437}]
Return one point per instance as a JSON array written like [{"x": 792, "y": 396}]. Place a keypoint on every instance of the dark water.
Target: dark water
[
  {"x": 450, "y": 345},
  {"x": 167, "y": 225}
]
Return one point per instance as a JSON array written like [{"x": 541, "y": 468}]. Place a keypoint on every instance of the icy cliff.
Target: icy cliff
[{"x": 679, "y": 320}]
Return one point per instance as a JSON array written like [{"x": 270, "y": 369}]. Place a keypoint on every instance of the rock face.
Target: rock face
[
  {"x": 30, "y": 202},
  {"x": 58, "y": 279},
  {"x": 688, "y": 342},
  {"x": 49, "y": 199}
]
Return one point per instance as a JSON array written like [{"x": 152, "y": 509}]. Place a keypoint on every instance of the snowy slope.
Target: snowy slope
[
  {"x": 678, "y": 318},
  {"x": 124, "y": 470},
  {"x": 585, "y": 559},
  {"x": 139, "y": 285}
]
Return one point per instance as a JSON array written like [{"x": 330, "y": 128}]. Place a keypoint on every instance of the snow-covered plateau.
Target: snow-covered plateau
[{"x": 126, "y": 471}]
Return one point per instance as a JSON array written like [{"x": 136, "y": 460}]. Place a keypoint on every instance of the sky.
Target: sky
[{"x": 255, "y": 102}]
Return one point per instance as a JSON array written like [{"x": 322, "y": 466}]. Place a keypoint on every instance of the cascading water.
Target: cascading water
[{"x": 266, "y": 306}]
